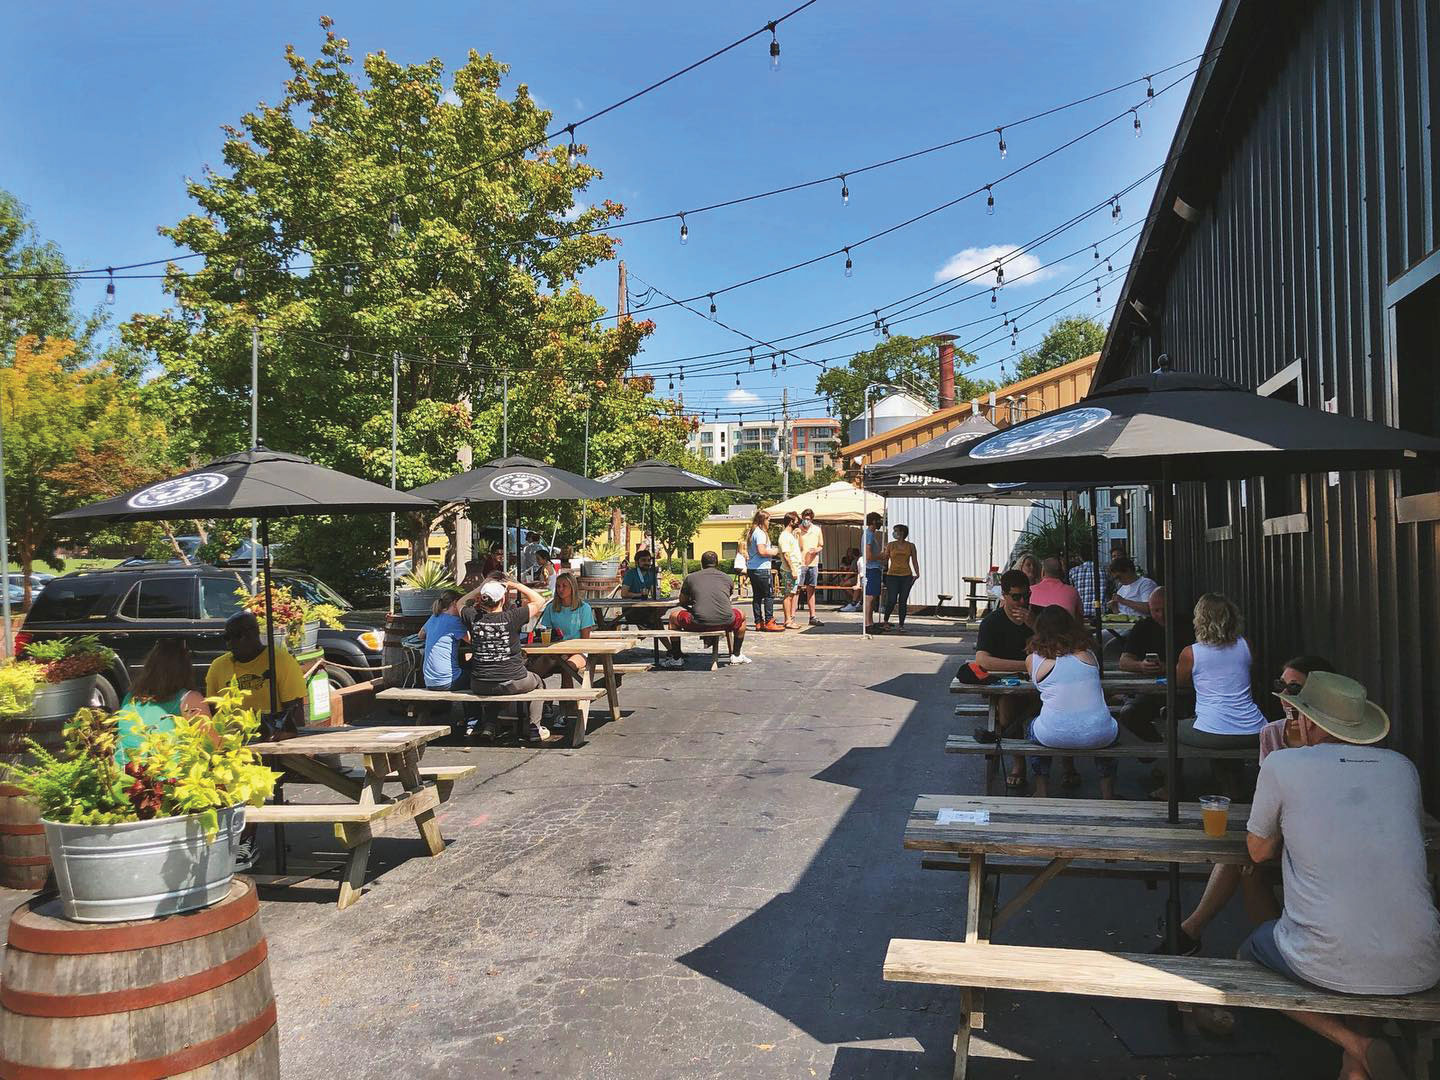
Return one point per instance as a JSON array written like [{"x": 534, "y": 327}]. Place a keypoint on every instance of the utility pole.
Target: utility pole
[
  {"x": 254, "y": 441},
  {"x": 394, "y": 457},
  {"x": 622, "y": 305},
  {"x": 504, "y": 453},
  {"x": 785, "y": 443},
  {"x": 5, "y": 638},
  {"x": 463, "y": 536},
  {"x": 585, "y": 468}
]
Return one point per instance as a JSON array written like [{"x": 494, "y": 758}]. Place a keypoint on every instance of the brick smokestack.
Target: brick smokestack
[{"x": 947, "y": 369}]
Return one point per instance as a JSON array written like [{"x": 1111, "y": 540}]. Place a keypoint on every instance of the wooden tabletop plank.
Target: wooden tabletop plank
[
  {"x": 591, "y": 646},
  {"x": 366, "y": 740},
  {"x": 620, "y": 601},
  {"x": 550, "y": 693},
  {"x": 1111, "y": 684}
]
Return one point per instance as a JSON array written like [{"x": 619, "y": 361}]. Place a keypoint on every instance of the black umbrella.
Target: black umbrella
[
  {"x": 893, "y": 477},
  {"x": 258, "y": 483},
  {"x": 653, "y": 478},
  {"x": 1171, "y": 426}
]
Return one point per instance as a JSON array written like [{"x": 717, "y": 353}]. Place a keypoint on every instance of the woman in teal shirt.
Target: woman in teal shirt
[
  {"x": 568, "y": 618},
  {"x": 162, "y": 691}
]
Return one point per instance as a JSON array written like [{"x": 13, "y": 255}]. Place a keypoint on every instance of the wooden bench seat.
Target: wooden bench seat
[
  {"x": 1181, "y": 980},
  {"x": 710, "y": 637},
  {"x": 1150, "y": 873},
  {"x": 444, "y": 777},
  {"x": 1126, "y": 746},
  {"x": 581, "y": 697},
  {"x": 417, "y": 802}
]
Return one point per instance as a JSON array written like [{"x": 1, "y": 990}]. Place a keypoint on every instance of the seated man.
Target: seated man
[
  {"x": 1000, "y": 648},
  {"x": 248, "y": 663},
  {"x": 1144, "y": 654},
  {"x": 1359, "y": 917},
  {"x": 705, "y": 605},
  {"x": 1052, "y": 588},
  {"x": 497, "y": 666},
  {"x": 1132, "y": 591},
  {"x": 639, "y": 583}
]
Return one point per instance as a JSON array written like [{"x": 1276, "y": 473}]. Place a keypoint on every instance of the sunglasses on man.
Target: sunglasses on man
[{"x": 1019, "y": 597}]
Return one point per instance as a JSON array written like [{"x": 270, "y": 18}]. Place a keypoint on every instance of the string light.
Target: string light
[
  {"x": 849, "y": 266},
  {"x": 239, "y": 272},
  {"x": 737, "y": 387},
  {"x": 1149, "y": 87},
  {"x": 844, "y": 191},
  {"x": 1014, "y": 337},
  {"x": 672, "y": 384},
  {"x": 993, "y": 298},
  {"x": 1115, "y": 208},
  {"x": 1007, "y": 320},
  {"x": 782, "y": 360},
  {"x": 1108, "y": 268},
  {"x": 345, "y": 356},
  {"x": 999, "y": 272},
  {"x": 684, "y": 230},
  {"x": 1097, "y": 251},
  {"x": 773, "y": 369},
  {"x": 712, "y": 305},
  {"x": 570, "y": 129},
  {"x": 109, "y": 288},
  {"x": 877, "y": 323},
  {"x": 347, "y": 284},
  {"x": 1097, "y": 292},
  {"x": 1136, "y": 115},
  {"x": 1003, "y": 151},
  {"x": 752, "y": 355},
  {"x": 396, "y": 229},
  {"x": 682, "y": 374},
  {"x": 989, "y": 201},
  {"x": 774, "y": 48}
]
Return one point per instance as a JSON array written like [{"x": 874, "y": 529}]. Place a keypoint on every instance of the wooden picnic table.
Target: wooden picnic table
[
  {"x": 620, "y": 601},
  {"x": 390, "y": 754},
  {"x": 993, "y": 692},
  {"x": 977, "y": 594},
  {"x": 597, "y": 651}
]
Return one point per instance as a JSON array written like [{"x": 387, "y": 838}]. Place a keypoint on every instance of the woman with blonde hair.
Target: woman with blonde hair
[
  {"x": 1218, "y": 667},
  {"x": 759, "y": 553},
  {"x": 1029, "y": 565},
  {"x": 568, "y": 618}
]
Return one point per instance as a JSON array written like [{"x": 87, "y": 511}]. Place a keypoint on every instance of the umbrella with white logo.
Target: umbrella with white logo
[{"x": 258, "y": 483}]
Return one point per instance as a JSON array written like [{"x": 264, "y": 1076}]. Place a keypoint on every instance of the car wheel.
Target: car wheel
[
  {"x": 104, "y": 695},
  {"x": 339, "y": 677}
]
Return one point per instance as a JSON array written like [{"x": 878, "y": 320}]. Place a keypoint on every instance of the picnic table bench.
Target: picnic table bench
[
  {"x": 709, "y": 637},
  {"x": 390, "y": 755},
  {"x": 1063, "y": 832}
]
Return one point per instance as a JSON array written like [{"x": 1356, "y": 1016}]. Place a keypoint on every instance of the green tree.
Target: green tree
[
  {"x": 754, "y": 474},
  {"x": 800, "y": 483},
  {"x": 908, "y": 362},
  {"x": 1068, "y": 339},
  {"x": 475, "y": 278}
]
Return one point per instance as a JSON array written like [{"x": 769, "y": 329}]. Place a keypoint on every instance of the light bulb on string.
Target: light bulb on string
[
  {"x": 886, "y": 330},
  {"x": 684, "y": 231},
  {"x": 1136, "y": 115},
  {"x": 570, "y": 129},
  {"x": 844, "y": 191},
  {"x": 1014, "y": 335},
  {"x": 1003, "y": 151},
  {"x": 849, "y": 266},
  {"x": 737, "y": 385},
  {"x": 1149, "y": 87},
  {"x": 109, "y": 288},
  {"x": 1007, "y": 320},
  {"x": 672, "y": 384},
  {"x": 999, "y": 272},
  {"x": 1097, "y": 292},
  {"x": 396, "y": 229},
  {"x": 752, "y": 355},
  {"x": 239, "y": 272},
  {"x": 1097, "y": 251},
  {"x": 712, "y": 305},
  {"x": 1114, "y": 207},
  {"x": 989, "y": 201},
  {"x": 877, "y": 323},
  {"x": 774, "y": 370},
  {"x": 345, "y": 356},
  {"x": 347, "y": 285},
  {"x": 682, "y": 374},
  {"x": 1108, "y": 268},
  {"x": 774, "y": 49},
  {"x": 782, "y": 360},
  {"x": 993, "y": 298}
]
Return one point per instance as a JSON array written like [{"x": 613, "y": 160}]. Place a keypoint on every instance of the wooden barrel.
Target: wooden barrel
[
  {"x": 397, "y": 629},
  {"x": 598, "y": 587},
  {"x": 184, "y": 995},
  {"x": 24, "y": 861}
]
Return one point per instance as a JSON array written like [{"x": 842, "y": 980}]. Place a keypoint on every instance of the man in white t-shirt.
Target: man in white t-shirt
[
  {"x": 1132, "y": 591},
  {"x": 1345, "y": 818}
]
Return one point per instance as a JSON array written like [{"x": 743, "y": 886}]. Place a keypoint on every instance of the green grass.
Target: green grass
[{"x": 40, "y": 566}]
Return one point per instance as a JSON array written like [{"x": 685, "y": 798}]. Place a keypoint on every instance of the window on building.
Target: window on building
[
  {"x": 1283, "y": 496},
  {"x": 728, "y": 551},
  {"x": 1416, "y": 336}
]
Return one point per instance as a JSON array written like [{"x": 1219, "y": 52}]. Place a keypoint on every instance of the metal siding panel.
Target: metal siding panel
[{"x": 954, "y": 540}]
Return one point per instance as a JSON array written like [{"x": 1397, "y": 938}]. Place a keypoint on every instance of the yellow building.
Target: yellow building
[{"x": 719, "y": 533}]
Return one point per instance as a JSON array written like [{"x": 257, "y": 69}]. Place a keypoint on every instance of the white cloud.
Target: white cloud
[
  {"x": 742, "y": 397},
  {"x": 449, "y": 97},
  {"x": 978, "y": 258},
  {"x": 573, "y": 214}
]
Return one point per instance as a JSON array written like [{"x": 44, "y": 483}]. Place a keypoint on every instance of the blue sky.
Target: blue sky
[{"x": 110, "y": 107}]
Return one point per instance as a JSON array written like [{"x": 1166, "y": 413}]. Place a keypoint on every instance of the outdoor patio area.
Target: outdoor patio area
[{"x": 707, "y": 889}]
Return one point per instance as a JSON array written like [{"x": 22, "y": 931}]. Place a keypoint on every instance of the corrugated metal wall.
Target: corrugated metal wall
[
  {"x": 1327, "y": 194},
  {"x": 955, "y": 540}
]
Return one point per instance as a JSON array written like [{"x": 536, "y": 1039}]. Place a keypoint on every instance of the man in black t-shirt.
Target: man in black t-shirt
[
  {"x": 1144, "y": 654},
  {"x": 1000, "y": 649},
  {"x": 497, "y": 666}
]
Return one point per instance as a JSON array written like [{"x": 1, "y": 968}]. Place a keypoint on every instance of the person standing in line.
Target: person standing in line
[
  {"x": 902, "y": 567},
  {"x": 812, "y": 550},
  {"x": 873, "y": 553},
  {"x": 758, "y": 559},
  {"x": 790, "y": 563}
]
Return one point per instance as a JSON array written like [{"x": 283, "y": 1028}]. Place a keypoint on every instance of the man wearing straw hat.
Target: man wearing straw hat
[{"x": 1344, "y": 817}]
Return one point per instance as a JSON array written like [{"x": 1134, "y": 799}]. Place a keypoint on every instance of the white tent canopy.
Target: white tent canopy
[{"x": 838, "y": 503}]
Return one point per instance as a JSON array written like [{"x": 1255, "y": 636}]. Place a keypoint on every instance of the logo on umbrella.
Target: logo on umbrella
[
  {"x": 608, "y": 478},
  {"x": 181, "y": 489},
  {"x": 703, "y": 479},
  {"x": 520, "y": 485},
  {"x": 1046, "y": 431},
  {"x": 961, "y": 437}
]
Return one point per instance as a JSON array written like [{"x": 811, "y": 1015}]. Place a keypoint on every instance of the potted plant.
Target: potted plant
[
  {"x": 423, "y": 587},
  {"x": 70, "y": 666},
  {"x": 600, "y": 559},
  {"x": 155, "y": 836},
  {"x": 299, "y": 619}
]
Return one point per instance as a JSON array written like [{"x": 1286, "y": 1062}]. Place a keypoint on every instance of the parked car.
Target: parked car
[
  {"x": 190, "y": 545},
  {"x": 128, "y": 607}
]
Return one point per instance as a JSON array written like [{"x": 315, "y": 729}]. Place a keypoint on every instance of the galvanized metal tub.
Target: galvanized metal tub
[
  {"x": 54, "y": 706},
  {"x": 141, "y": 869}
]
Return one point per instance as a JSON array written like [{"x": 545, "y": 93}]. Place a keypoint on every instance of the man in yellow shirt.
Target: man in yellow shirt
[{"x": 247, "y": 662}]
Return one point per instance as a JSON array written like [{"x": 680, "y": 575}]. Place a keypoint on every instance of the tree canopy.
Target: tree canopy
[
  {"x": 911, "y": 363},
  {"x": 42, "y": 307},
  {"x": 1068, "y": 339}
]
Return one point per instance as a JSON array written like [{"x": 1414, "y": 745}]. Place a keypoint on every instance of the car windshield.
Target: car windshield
[{"x": 313, "y": 590}]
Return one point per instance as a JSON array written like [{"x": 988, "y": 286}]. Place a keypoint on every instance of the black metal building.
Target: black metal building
[{"x": 1292, "y": 247}]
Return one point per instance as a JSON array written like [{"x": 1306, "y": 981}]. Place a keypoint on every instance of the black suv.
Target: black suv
[{"x": 128, "y": 607}]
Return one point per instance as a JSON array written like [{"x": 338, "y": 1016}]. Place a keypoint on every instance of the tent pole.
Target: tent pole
[
  {"x": 1099, "y": 593},
  {"x": 269, "y": 615},
  {"x": 1166, "y": 501}
]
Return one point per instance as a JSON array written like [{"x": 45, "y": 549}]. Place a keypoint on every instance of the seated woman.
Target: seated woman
[
  {"x": 444, "y": 634},
  {"x": 1073, "y": 713},
  {"x": 568, "y": 618},
  {"x": 163, "y": 690},
  {"x": 1218, "y": 667}
]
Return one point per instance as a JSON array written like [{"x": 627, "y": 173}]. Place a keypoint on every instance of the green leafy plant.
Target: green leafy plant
[
  {"x": 601, "y": 551},
  {"x": 18, "y": 680},
  {"x": 1050, "y": 537},
  {"x": 200, "y": 767},
  {"x": 70, "y": 658},
  {"x": 428, "y": 577},
  {"x": 292, "y": 612}
]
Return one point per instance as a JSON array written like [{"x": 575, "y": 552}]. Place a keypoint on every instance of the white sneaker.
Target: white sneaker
[{"x": 739, "y": 658}]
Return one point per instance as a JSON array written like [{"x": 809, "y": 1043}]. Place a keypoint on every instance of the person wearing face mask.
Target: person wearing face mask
[{"x": 812, "y": 551}]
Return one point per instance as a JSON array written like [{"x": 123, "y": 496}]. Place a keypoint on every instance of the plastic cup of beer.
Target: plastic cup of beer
[
  {"x": 544, "y": 635},
  {"x": 1214, "y": 814}
]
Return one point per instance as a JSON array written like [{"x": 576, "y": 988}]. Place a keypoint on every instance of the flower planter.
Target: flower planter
[
  {"x": 416, "y": 601},
  {"x": 142, "y": 869},
  {"x": 609, "y": 568},
  {"x": 309, "y": 636}
]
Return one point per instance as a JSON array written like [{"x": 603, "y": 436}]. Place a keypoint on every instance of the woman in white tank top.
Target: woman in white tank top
[
  {"x": 1073, "y": 713},
  {"x": 1218, "y": 666}
]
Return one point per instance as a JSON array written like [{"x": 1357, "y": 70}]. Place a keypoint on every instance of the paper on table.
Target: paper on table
[{"x": 962, "y": 817}]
